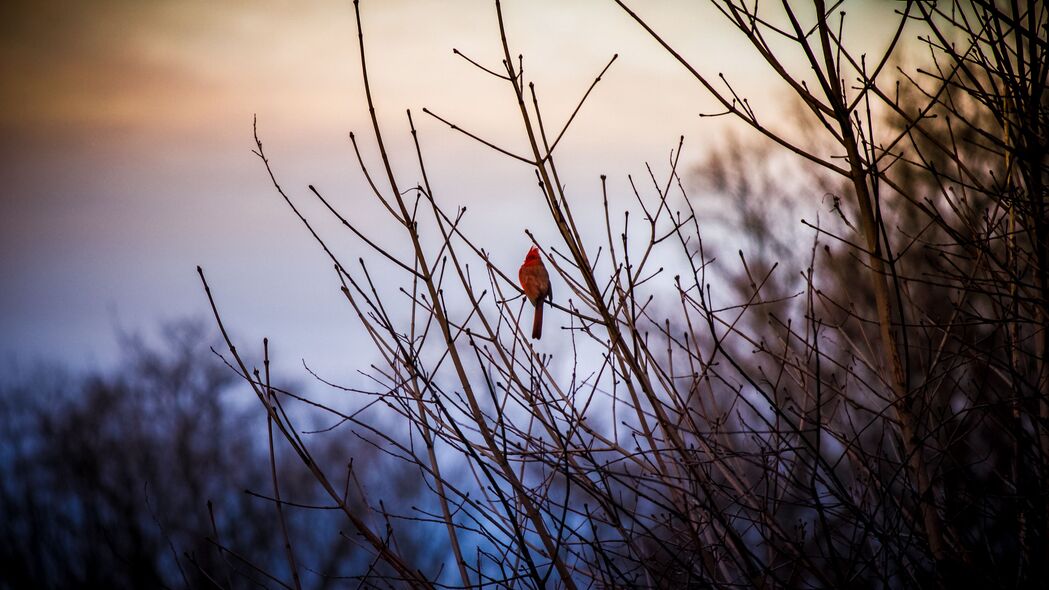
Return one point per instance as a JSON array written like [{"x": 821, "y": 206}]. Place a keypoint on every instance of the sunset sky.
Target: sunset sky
[{"x": 125, "y": 146}]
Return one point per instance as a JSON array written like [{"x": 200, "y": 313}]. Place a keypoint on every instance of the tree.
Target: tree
[
  {"x": 154, "y": 476},
  {"x": 825, "y": 431}
]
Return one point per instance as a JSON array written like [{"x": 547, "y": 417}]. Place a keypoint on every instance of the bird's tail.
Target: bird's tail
[{"x": 537, "y": 323}]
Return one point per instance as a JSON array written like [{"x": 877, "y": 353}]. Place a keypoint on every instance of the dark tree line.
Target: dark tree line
[{"x": 154, "y": 475}]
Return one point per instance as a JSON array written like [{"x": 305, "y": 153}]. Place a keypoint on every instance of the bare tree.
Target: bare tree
[{"x": 877, "y": 419}]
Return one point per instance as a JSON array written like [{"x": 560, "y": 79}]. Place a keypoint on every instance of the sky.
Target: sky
[{"x": 126, "y": 147}]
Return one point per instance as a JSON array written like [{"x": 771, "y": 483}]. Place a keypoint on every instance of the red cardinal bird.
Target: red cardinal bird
[{"x": 535, "y": 282}]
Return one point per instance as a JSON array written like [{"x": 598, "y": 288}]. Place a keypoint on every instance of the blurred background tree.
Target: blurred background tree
[{"x": 154, "y": 475}]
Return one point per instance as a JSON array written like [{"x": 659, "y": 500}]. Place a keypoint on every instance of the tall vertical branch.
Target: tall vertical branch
[{"x": 480, "y": 421}]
